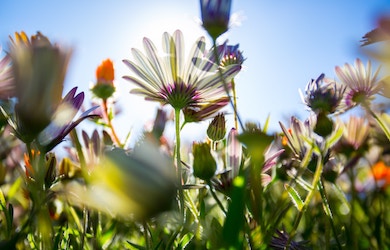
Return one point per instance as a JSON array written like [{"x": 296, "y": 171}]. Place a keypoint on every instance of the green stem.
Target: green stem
[
  {"x": 328, "y": 211},
  {"x": 316, "y": 180},
  {"x": 216, "y": 197},
  {"x": 108, "y": 119},
  {"x": 235, "y": 103},
  {"x": 146, "y": 235},
  {"x": 178, "y": 162},
  {"x": 225, "y": 85},
  {"x": 379, "y": 120}
]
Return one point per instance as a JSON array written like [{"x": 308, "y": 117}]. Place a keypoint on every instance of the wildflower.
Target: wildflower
[
  {"x": 323, "y": 95},
  {"x": 296, "y": 135},
  {"x": 215, "y": 16},
  {"x": 39, "y": 70},
  {"x": 381, "y": 174},
  {"x": 361, "y": 85},
  {"x": 7, "y": 88},
  {"x": 217, "y": 128},
  {"x": 379, "y": 34},
  {"x": 355, "y": 133},
  {"x": 104, "y": 87},
  {"x": 233, "y": 156},
  {"x": 62, "y": 124},
  {"x": 204, "y": 163},
  {"x": 233, "y": 153},
  {"x": 204, "y": 111},
  {"x": 168, "y": 80},
  {"x": 228, "y": 55}
]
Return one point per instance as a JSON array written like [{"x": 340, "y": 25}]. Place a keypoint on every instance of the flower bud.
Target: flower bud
[
  {"x": 217, "y": 128},
  {"x": 324, "y": 125},
  {"x": 215, "y": 16},
  {"x": 104, "y": 87},
  {"x": 204, "y": 163}
]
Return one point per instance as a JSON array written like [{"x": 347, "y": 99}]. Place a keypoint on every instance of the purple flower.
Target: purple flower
[
  {"x": 361, "y": 85},
  {"x": 215, "y": 16},
  {"x": 7, "y": 88},
  {"x": 62, "y": 123}
]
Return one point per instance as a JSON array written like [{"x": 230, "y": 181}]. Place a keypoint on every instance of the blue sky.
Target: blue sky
[{"x": 286, "y": 43}]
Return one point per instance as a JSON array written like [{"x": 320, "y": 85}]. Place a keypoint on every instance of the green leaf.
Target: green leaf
[
  {"x": 295, "y": 198},
  {"x": 235, "y": 216},
  {"x": 334, "y": 137},
  {"x": 2, "y": 200}
]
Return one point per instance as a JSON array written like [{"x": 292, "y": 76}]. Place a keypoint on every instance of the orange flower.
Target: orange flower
[
  {"x": 285, "y": 139},
  {"x": 104, "y": 87},
  {"x": 381, "y": 173},
  {"x": 28, "y": 162},
  {"x": 105, "y": 72}
]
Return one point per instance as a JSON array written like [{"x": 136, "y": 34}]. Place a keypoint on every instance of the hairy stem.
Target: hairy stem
[{"x": 178, "y": 162}]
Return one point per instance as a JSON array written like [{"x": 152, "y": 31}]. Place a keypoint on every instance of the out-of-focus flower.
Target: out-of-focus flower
[
  {"x": 217, "y": 128},
  {"x": 204, "y": 111},
  {"x": 234, "y": 155},
  {"x": 355, "y": 133},
  {"x": 204, "y": 164},
  {"x": 136, "y": 185},
  {"x": 379, "y": 34},
  {"x": 39, "y": 69},
  {"x": 296, "y": 135},
  {"x": 381, "y": 174},
  {"x": 361, "y": 85},
  {"x": 215, "y": 16},
  {"x": 62, "y": 123},
  {"x": 323, "y": 95},
  {"x": 7, "y": 88},
  {"x": 169, "y": 80},
  {"x": 104, "y": 87}
]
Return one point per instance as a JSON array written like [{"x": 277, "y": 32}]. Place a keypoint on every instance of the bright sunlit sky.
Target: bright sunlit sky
[{"x": 286, "y": 43}]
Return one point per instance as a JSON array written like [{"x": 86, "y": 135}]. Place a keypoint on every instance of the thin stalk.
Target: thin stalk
[
  {"x": 85, "y": 227},
  {"x": 225, "y": 86},
  {"x": 235, "y": 103},
  {"x": 106, "y": 115},
  {"x": 146, "y": 235},
  {"x": 178, "y": 162},
  {"x": 216, "y": 197},
  {"x": 316, "y": 180},
  {"x": 328, "y": 211},
  {"x": 379, "y": 120}
]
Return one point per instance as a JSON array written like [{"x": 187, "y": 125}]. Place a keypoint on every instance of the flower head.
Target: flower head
[
  {"x": 168, "y": 79},
  {"x": 104, "y": 87},
  {"x": 381, "y": 174},
  {"x": 354, "y": 139},
  {"x": 204, "y": 111},
  {"x": 215, "y": 16},
  {"x": 230, "y": 54},
  {"x": 7, "y": 88},
  {"x": 39, "y": 69},
  {"x": 361, "y": 85},
  {"x": 62, "y": 124},
  {"x": 323, "y": 96}
]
